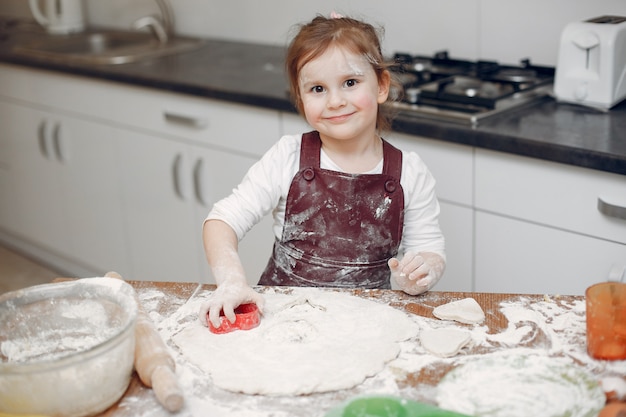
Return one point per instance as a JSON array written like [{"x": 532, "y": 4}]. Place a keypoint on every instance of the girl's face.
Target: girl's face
[{"x": 340, "y": 95}]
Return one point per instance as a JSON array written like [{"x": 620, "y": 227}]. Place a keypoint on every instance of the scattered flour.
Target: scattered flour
[
  {"x": 558, "y": 327},
  {"x": 535, "y": 385}
]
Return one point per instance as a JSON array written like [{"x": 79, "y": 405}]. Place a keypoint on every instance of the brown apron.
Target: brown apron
[{"x": 340, "y": 229}]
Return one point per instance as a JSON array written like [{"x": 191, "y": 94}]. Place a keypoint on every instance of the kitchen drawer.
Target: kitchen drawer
[
  {"x": 514, "y": 256},
  {"x": 47, "y": 90},
  {"x": 244, "y": 129},
  {"x": 547, "y": 193}
]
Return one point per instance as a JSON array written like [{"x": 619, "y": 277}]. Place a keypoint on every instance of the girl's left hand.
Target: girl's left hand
[{"x": 417, "y": 272}]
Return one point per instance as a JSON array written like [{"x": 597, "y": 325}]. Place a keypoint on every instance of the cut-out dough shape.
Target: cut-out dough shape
[
  {"x": 466, "y": 311},
  {"x": 444, "y": 342}
]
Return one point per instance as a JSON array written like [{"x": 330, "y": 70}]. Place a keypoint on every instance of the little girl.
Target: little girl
[{"x": 344, "y": 200}]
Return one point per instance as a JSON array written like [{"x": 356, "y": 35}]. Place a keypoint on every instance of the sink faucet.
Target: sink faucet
[{"x": 162, "y": 27}]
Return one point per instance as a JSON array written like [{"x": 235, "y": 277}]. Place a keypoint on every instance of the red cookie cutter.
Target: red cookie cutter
[{"x": 246, "y": 317}]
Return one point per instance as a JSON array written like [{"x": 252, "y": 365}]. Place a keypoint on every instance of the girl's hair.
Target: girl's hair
[{"x": 315, "y": 37}]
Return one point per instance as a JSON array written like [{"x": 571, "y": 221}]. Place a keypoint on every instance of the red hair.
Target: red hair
[{"x": 315, "y": 37}]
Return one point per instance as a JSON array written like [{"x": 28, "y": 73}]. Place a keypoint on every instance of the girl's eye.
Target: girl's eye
[
  {"x": 317, "y": 89},
  {"x": 351, "y": 83}
]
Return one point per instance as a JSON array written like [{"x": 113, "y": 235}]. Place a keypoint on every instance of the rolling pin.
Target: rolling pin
[{"x": 154, "y": 364}]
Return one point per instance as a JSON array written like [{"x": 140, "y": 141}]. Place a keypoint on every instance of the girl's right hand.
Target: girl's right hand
[
  {"x": 417, "y": 273},
  {"x": 227, "y": 297}
]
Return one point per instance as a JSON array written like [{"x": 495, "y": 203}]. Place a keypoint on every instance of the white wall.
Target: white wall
[{"x": 503, "y": 30}]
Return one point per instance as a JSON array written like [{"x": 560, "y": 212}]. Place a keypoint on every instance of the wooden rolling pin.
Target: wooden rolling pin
[{"x": 154, "y": 364}]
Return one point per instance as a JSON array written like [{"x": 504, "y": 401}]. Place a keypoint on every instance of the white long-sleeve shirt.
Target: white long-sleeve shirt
[{"x": 265, "y": 187}]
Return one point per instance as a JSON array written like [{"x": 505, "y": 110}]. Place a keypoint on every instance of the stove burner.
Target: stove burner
[
  {"x": 474, "y": 87},
  {"x": 439, "y": 86},
  {"x": 515, "y": 75}
]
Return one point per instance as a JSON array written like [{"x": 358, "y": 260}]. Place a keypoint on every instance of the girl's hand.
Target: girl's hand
[
  {"x": 417, "y": 272},
  {"x": 227, "y": 297}
]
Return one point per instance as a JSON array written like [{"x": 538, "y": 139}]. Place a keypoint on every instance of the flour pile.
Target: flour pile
[{"x": 536, "y": 385}]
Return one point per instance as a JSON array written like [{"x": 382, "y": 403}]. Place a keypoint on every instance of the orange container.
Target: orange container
[{"x": 606, "y": 320}]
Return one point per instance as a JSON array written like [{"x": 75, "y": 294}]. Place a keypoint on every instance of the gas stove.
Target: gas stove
[{"x": 462, "y": 91}]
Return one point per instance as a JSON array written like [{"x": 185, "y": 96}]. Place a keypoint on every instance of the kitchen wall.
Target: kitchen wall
[{"x": 504, "y": 30}]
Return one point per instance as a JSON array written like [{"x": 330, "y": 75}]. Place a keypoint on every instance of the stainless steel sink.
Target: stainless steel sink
[{"x": 104, "y": 47}]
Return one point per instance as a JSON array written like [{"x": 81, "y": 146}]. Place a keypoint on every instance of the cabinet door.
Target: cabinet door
[
  {"x": 35, "y": 171},
  {"x": 64, "y": 187},
  {"x": 514, "y": 256},
  {"x": 216, "y": 174},
  {"x": 87, "y": 156},
  {"x": 163, "y": 231},
  {"x": 457, "y": 225},
  {"x": 8, "y": 183},
  {"x": 556, "y": 195}
]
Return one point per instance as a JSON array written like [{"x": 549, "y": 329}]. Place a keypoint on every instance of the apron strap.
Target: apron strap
[
  {"x": 392, "y": 160},
  {"x": 312, "y": 144},
  {"x": 310, "y": 150}
]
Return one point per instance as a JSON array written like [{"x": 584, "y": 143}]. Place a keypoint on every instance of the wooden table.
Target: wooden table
[{"x": 163, "y": 300}]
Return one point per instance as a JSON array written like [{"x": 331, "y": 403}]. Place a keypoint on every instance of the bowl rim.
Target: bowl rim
[{"x": 111, "y": 288}]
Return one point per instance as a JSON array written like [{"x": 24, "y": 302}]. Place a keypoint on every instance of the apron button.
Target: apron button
[
  {"x": 390, "y": 186},
  {"x": 308, "y": 174}
]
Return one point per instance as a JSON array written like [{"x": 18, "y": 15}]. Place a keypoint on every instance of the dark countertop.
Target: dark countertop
[{"x": 253, "y": 74}]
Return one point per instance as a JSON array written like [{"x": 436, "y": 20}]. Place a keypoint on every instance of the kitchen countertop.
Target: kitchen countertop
[
  {"x": 515, "y": 324},
  {"x": 253, "y": 74}
]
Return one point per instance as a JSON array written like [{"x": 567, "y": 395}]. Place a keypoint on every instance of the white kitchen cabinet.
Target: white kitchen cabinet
[
  {"x": 63, "y": 187},
  {"x": 516, "y": 256},
  {"x": 127, "y": 175},
  {"x": 538, "y": 227},
  {"x": 180, "y": 156},
  {"x": 168, "y": 195},
  {"x": 36, "y": 212},
  {"x": 160, "y": 219},
  {"x": 215, "y": 174},
  {"x": 8, "y": 207},
  {"x": 97, "y": 176}
]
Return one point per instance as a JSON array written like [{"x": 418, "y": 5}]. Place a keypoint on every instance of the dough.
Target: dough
[
  {"x": 513, "y": 385},
  {"x": 444, "y": 342},
  {"x": 312, "y": 340},
  {"x": 466, "y": 311}
]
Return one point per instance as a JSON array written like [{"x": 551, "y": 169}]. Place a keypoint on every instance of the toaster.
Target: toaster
[{"x": 591, "y": 67}]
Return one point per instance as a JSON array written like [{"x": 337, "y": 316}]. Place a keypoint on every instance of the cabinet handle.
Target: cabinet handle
[
  {"x": 611, "y": 210},
  {"x": 60, "y": 148},
  {"x": 183, "y": 119},
  {"x": 42, "y": 138},
  {"x": 197, "y": 182},
  {"x": 176, "y": 167}
]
